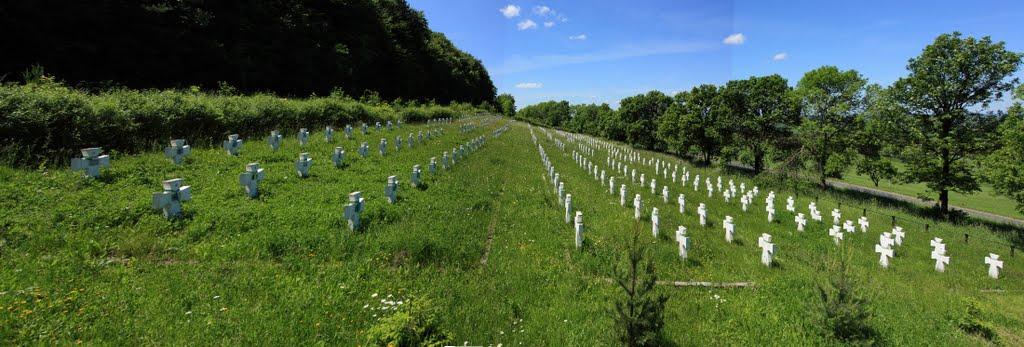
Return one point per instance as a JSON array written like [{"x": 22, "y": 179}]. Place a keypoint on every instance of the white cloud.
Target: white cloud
[
  {"x": 515, "y": 63},
  {"x": 542, "y": 10},
  {"x": 529, "y": 85},
  {"x": 578, "y": 37},
  {"x": 549, "y": 24},
  {"x": 509, "y": 11},
  {"x": 735, "y": 39},
  {"x": 527, "y": 24},
  {"x": 780, "y": 56}
]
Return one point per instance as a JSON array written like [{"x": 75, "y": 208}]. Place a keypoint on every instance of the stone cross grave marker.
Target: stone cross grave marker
[
  {"x": 622, "y": 195},
  {"x": 233, "y": 144},
  {"x": 611, "y": 185},
  {"x": 444, "y": 160},
  {"x": 365, "y": 128},
  {"x": 170, "y": 199},
  {"x": 837, "y": 234},
  {"x": 848, "y": 226},
  {"x": 411, "y": 141},
  {"x": 939, "y": 255},
  {"x": 561, "y": 193},
  {"x": 391, "y": 189},
  {"x": 250, "y": 179},
  {"x": 338, "y": 157},
  {"x": 664, "y": 194},
  {"x": 432, "y": 167},
  {"x": 383, "y": 147},
  {"x": 702, "y": 211},
  {"x": 744, "y": 202},
  {"x": 329, "y": 134},
  {"x": 377, "y": 126},
  {"x": 177, "y": 151},
  {"x": 637, "y": 206},
  {"x": 767, "y": 249},
  {"x": 898, "y": 234},
  {"x": 682, "y": 203},
  {"x": 91, "y": 162},
  {"x": 348, "y": 131},
  {"x": 790, "y": 204},
  {"x": 354, "y": 208},
  {"x": 770, "y": 208},
  {"x": 398, "y": 143},
  {"x": 801, "y": 221},
  {"x": 578, "y": 226},
  {"x": 884, "y": 253},
  {"x": 274, "y": 140},
  {"x": 684, "y": 242},
  {"x": 730, "y": 228},
  {"x": 836, "y": 214},
  {"x": 863, "y": 221},
  {"x": 302, "y": 165},
  {"x": 303, "y": 136},
  {"x": 415, "y": 177},
  {"x": 654, "y": 186},
  {"x": 568, "y": 208},
  {"x": 994, "y": 264},
  {"x": 364, "y": 150},
  {"x": 655, "y": 222}
]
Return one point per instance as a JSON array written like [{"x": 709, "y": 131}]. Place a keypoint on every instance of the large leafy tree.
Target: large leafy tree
[
  {"x": 830, "y": 100},
  {"x": 763, "y": 112},
  {"x": 640, "y": 114},
  {"x": 952, "y": 79},
  {"x": 1004, "y": 168},
  {"x": 696, "y": 120},
  {"x": 507, "y": 105},
  {"x": 873, "y": 141}
]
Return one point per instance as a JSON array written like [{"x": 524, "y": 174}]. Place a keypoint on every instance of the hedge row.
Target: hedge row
[{"x": 50, "y": 122}]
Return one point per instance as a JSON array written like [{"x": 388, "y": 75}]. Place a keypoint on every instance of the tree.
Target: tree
[
  {"x": 873, "y": 140},
  {"x": 763, "y": 113},
  {"x": 952, "y": 79},
  {"x": 587, "y": 118},
  {"x": 1004, "y": 168},
  {"x": 639, "y": 315},
  {"x": 830, "y": 101},
  {"x": 507, "y": 105},
  {"x": 640, "y": 114},
  {"x": 697, "y": 119}
]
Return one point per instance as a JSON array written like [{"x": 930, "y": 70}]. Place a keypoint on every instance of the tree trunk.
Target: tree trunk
[
  {"x": 944, "y": 201},
  {"x": 758, "y": 163},
  {"x": 944, "y": 191}
]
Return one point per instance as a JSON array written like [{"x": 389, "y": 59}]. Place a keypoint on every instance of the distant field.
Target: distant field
[
  {"x": 89, "y": 261},
  {"x": 985, "y": 200}
]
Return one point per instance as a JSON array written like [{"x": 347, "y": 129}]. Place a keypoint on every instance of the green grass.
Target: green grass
[
  {"x": 88, "y": 260},
  {"x": 985, "y": 200}
]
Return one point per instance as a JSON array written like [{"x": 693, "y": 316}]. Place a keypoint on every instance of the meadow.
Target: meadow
[{"x": 88, "y": 260}]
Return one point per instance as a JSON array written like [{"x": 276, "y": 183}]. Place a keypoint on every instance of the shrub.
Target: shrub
[
  {"x": 845, "y": 311},
  {"x": 413, "y": 324},
  {"x": 48, "y": 121},
  {"x": 972, "y": 323},
  {"x": 639, "y": 314}
]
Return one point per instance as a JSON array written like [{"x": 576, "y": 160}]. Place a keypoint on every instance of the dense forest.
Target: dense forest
[
  {"x": 936, "y": 123},
  {"x": 380, "y": 48}
]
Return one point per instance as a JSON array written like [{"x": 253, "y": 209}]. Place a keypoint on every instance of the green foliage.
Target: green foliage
[
  {"x": 845, "y": 310},
  {"x": 640, "y": 115},
  {"x": 288, "y": 47},
  {"x": 698, "y": 120},
  {"x": 550, "y": 113},
  {"x": 51, "y": 122},
  {"x": 763, "y": 112},
  {"x": 507, "y": 105},
  {"x": 830, "y": 101},
  {"x": 413, "y": 323},
  {"x": 951, "y": 79},
  {"x": 639, "y": 313},
  {"x": 971, "y": 322},
  {"x": 1004, "y": 168}
]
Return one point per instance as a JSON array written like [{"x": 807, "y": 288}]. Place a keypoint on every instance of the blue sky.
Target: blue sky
[{"x": 602, "y": 51}]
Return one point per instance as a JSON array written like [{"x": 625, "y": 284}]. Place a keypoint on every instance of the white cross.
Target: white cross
[
  {"x": 170, "y": 199},
  {"x": 994, "y": 264},
  {"x": 745, "y": 201},
  {"x": 432, "y": 167},
  {"x": 848, "y": 226},
  {"x": 835, "y": 216},
  {"x": 898, "y": 234},
  {"x": 568, "y": 208},
  {"x": 611, "y": 185},
  {"x": 790, "y": 204},
  {"x": 767, "y": 249},
  {"x": 177, "y": 151},
  {"x": 398, "y": 143},
  {"x": 383, "y": 147},
  {"x": 329, "y": 134},
  {"x": 364, "y": 150},
  {"x": 232, "y": 144},
  {"x": 771, "y": 213},
  {"x": 682, "y": 203},
  {"x": 637, "y": 205},
  {"x": 730, "y": 228},
  {"x": 863, "y": 221},
  {"x": 250, "y": 179},
  {"x": 302, "y": 165},
  {"x": 654, "y": 186},
  {"x": 303, "y": 136},
  {"x": 622, "y": 195},
  {"x": 391, "y": 189},
  {"x": 579, "y": 229},
  {"x": 348, "y": 131},
  {"x": 884, "y": 253},
  {"x": 801, "y": 221},
  {"x": 338, "y": 157},
  {"x": 655, "y": 222},
  {"x": 642, "y": 179},
  {"x": 664, "y": 194},
  {"x": 941, "y": 259},
  {"x": 274, "y": 140},
  {"x": 354, "y": 208},
  {"x": 91, "y": 162},
  {"x": 414, "y": 179},
  {"x": 561, "y": 192},
  {"x": 702, "y": 211},
  {"x": 836, "y": 233}
]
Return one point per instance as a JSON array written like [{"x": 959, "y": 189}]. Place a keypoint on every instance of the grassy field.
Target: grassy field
[
  {"x": 985, "y": 200},
  {"x": 87, "y": 260}
]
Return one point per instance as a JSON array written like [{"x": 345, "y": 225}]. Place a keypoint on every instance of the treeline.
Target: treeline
[
  {"x": 928, "y": 127},
  {"x": 287, "y": 47},
  {"x": 45, "y": 122}
]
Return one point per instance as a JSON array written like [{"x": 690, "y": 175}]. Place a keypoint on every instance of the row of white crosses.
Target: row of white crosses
[{"x": 564, "y": 199}]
